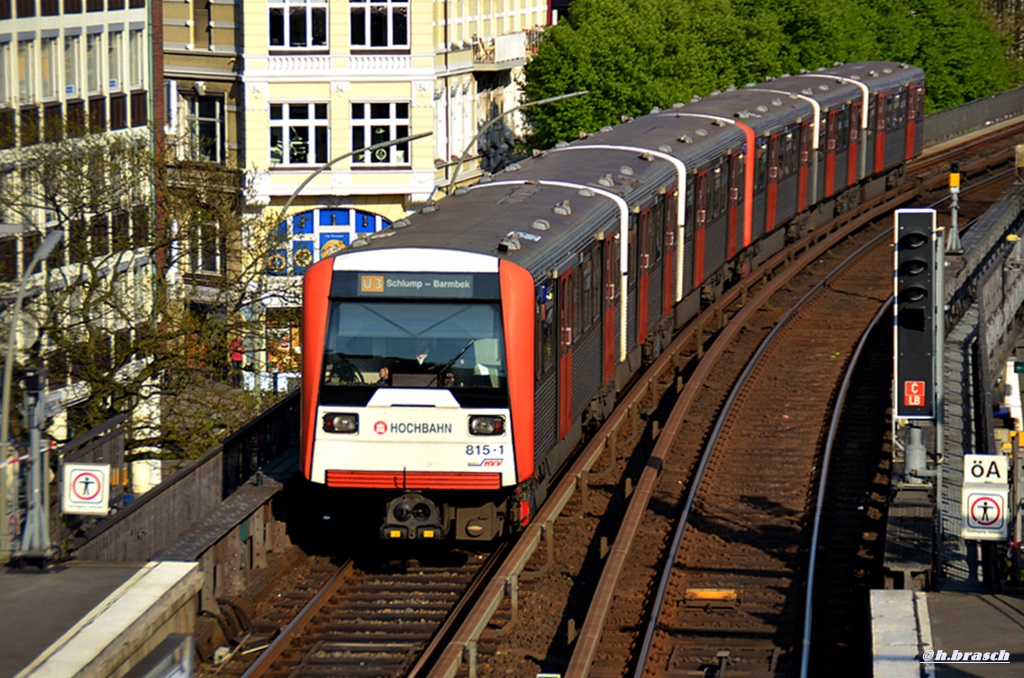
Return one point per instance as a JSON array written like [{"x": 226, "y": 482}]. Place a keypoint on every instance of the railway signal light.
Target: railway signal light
[{"x": 915, "y": 313}]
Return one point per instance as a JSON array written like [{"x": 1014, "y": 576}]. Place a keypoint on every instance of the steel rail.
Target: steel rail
[
  {"x": 837, "y": 413},
  {"x": 268, "y": 656},
  {"x": 723, "y": 417}
]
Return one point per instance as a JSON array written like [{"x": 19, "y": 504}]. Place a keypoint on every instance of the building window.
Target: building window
[
  {"x": 380, "y": 23},
  {"x": 26, "y": 72},
  {"x": 376, "y": 123},
  {"x": 29, "y": 118},
  {"x": 5, "y": 78},
  {"x": 118, "y": 111},
  {"x": 136, "y": 51},
  {"x": 298, "y": 24},
  {"x": 140, "y": 109},
  {"x": 205, "y": 128},
  {"x": 92, "y": 61},
  {"x": 48, "y": 52},
  {"x": 8, "y": 259},
  {"x": 99, "y": 236},
  {"x": 205, "y": 245},
  {"x": 114, "y": 60},
  {"x": 71, "y": 65},
  {"x": 298, "y": 134}
]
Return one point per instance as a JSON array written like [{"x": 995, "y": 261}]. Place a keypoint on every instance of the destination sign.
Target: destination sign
[{"x": 451, "y": 285}]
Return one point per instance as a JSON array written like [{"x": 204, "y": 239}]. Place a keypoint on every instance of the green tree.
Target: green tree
[{"x": 632, "y": 55}]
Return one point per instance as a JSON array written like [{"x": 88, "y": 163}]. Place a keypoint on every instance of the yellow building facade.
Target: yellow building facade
[{"x": 322, "y": 80}]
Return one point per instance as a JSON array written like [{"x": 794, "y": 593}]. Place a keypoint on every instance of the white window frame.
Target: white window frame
[
  {"x": 136, "y": 64},
  {"x": 72, "y": 68},
  {"x": 48, "y": 62},
  {"x": 206, "y": 249},
  {"x": 93, "y": 63},
  {"x": 6, "y": 80},
  {"x": 307, "y": 10},
  {"x": 286, "y": 119},
  {"x": 115, "y": 61},
  {"x": 370, "y": 126},
  {"x": 362, "y": 15},
  {"x": 26, "y": 76},
  {"x": 194, "y": 120}
]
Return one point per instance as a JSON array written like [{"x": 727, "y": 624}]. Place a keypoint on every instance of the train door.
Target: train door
[
  {"x": 699, "y": 236},
  {"x": 610, "y": 258},
  {"x": 911, "y": 118},
  {"x": 852, "y": 165},
  {"x": 643, "y": 274},
  {"x": 831, "y": 130},
  {"x": 880, "y": 127},
  {"x": 773, "y": 183},
  {"x": 804, "y": 165},
  {"x": 735, "y": 223},
  {"x": 565, "y": 334},
  {"x": 671, "y": 222}
]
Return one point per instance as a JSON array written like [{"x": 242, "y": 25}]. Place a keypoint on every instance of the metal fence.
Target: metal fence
[
  {"x": 972, "y": 116},
  {"x": 156, "y": 519}
]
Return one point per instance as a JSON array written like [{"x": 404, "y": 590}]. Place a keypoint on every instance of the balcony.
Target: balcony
[{"x": 507, "y": 51}]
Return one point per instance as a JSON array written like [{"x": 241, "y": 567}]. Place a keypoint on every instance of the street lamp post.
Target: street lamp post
[
  {"x": 7, "y": 496},
  {"x": 487, "y": 125}
]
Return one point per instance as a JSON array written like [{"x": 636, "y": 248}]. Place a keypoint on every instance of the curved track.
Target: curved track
[{"x": 553, "y": 601}]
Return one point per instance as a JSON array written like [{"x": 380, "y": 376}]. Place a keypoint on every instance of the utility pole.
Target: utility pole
[{"x": 35, "y": 537}]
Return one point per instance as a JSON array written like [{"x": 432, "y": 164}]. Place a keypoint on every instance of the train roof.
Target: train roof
[{"x": 540, "y": 213}]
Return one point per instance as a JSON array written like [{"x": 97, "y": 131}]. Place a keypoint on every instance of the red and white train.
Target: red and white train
[{"x": 453, "y": 361}]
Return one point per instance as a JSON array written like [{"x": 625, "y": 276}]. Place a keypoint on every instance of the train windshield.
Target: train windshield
[{"x": 415, "y": 345}]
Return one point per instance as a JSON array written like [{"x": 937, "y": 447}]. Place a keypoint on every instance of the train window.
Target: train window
[
  {"x": 691, "y": 214},
  {"x": 657, "y": 229},
  {"x": 843, "y": 129},
  {"x": 761, "y": 164},
  {"x": 789, "y": 155},
  {"x": 429, "y": 343},
  {"x": 546, "y": 328},
  {"x": 633, "y": 252},
  {"x": 589, "y": 298},
  {"x": 719, "y": 190}
]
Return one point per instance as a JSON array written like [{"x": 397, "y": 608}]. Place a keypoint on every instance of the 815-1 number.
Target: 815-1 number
[{"x": 484, "y": 450}]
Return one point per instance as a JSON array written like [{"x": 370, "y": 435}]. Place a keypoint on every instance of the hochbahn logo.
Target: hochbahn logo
[{"x": 382, "y": 427}]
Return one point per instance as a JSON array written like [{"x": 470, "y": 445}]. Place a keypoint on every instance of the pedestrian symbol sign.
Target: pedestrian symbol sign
[
  {"x": 86, "y": 489},
  {"x": 984, "y": 513}
]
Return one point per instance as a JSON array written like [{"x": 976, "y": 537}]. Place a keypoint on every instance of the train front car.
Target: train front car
[{"x": 419, "y": 402}]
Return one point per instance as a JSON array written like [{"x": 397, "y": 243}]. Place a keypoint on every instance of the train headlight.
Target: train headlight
[
  {"x": 486, "y": 425},
  {"x": 341, "y": 422}
]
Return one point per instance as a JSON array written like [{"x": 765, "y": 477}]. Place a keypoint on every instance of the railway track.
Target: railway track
[
  {"x": 547, "y": 602},
  {"x": 372, "y": 618}
]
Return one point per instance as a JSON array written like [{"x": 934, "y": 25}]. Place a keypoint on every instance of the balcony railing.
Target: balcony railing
[{"x": 509, "y": 47}]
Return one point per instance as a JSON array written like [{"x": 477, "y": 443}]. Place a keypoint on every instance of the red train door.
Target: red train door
[
  {"x": 643, "y": 266},
  {"x": 880, "y": 124},
  {"x": 671, "y": 223},
  {"x": 804, "y": 160},
  {"x": 702, "y": 216},
  {"x": 735, "y": 174},
  {"x": 912, "y": 95},
  {"x": 610, "y": 257},
  {"x": 565, "y": 332},
  {"x": 830, "y": 152},
  {"x": 772, "y": 192},
  {"x": 852, "y": 175}
]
